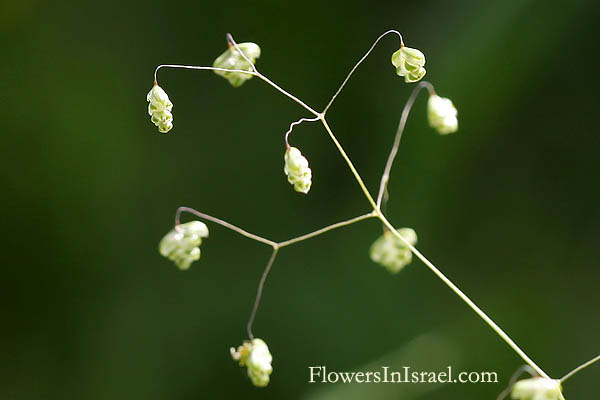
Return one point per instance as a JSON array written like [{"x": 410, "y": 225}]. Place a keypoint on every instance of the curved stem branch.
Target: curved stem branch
[
  {"x": 325, "y": 229},
  {"x": 579, "y": 368},
  {"x": 403, "y": 118},
  {"x": 360, "y": 62},
  {"x": 201, "y": 68},
  {"x": 222, "y": 223},
  {"x": 259, "y": 292},
  {"x": 293, "y": 124}
]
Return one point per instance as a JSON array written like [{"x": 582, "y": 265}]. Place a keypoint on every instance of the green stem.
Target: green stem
[
  {"x": 465, "y": 298},
  {"x": 349, "y": 162},
  {"x": 429, "y": 264}
]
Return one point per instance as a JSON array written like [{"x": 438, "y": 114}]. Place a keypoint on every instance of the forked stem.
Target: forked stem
[{"x": 375, "y": 205}]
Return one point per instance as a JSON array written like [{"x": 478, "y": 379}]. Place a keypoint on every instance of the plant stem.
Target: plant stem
[
  {"x": 464, "y": 298},
  {"x": 403, "y": 118},
  {"x": 222, "y": 223},
  {"x": 582, "y": 366},
  {"x": 259, "y": 291},
  {"x": 349, "y": 162},
  {"x": 429, "y": 264},
  {"x": 291, "y": 96},
  {"x": 325, "y": 229},
  {"x": 360, "y": 62}
]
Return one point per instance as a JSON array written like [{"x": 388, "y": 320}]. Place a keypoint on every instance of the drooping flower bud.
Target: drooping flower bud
[
  {"x": 537, "y": 389},
  {"x": 297, "y": 170},
  {"x": 391, "y": 252},
  {"x": 256, "y": 357},
  {"x": 160, "y": 109},
  {"x": 232, "y": 59},
  {"x": 181, "y": 244},
  {"x": 409, "y": 63},
  {"x": 442, "y": 114}
]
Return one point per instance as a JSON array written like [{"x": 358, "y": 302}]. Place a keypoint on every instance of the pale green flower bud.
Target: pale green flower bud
[
  {"x": 391, "y": 252},
  {"x": 537, "y": 389},
  {"x": 160, "y": 109},
  {"x": 409, "y": 63},
  {"x": 442, "y": 114},
  {"x": 232, "y": 59},
  {"x": 256, "y": 356},
  {"x": 297, "y": 170},
  {"x": 181, "y": 244}
]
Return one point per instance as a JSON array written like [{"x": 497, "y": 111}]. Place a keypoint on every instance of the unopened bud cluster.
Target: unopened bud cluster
[
  {"x": 160, "y": 109},
  {"x": 409, "y": 63},
  {"x": 537, "y": 389},
  {"x": 391, "y": 252},
  {"x": 232, "y": 59},
  {"x": 182, "y": 244},
  {"x": 297, "y": 170},
  {"x": 441, "y": 114},
  {"x": 256, "y": 357}
]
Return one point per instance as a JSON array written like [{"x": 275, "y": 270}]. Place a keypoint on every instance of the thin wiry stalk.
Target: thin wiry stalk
[
  {"x": 360, "y": 62},
  {"x": 579, "y": 368},
  {"x": 383, "y": 193},
  {"x": 222, "y": 223},
  {"x": 259, "y": 292}
]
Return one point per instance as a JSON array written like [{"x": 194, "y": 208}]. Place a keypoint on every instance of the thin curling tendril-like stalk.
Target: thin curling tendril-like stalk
[
  {"x": 294, "y": 124},
  {"x": 360, "y": 62}
]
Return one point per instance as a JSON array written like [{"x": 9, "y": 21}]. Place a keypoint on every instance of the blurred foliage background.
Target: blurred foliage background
[{"x": 507, "y": 207}]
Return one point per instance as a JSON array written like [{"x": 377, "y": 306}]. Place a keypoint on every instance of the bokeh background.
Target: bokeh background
[{"x": 507, "y": 207}]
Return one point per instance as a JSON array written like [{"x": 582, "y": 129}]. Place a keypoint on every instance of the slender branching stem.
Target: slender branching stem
[
  {"x": 376, "y": 205},
  {"x": 465, "y": 298},
  {"x": 222, "y": 223},
  {"x": 325, "y": 229},
  {"x": 383, "y": 193},
  {"x": 579, "y": 368},
  {"x": 360, "y": 62},
  {"x": 259, "y": 292},
  {"x": 196, "y": 67}
]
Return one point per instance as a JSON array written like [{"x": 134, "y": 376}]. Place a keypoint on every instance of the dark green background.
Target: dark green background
[{"x": 507, "y": 207}]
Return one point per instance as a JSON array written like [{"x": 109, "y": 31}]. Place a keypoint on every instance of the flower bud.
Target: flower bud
[
  {"x": 232, "y": 59},
  {"x": 537, "y": 389},
  {"x": 442, "y": 114},
  {"x": 297, "y": 170},
  {"x": 409, "y": 63},
  {"x": 160, "y": 109},
  {"x": 256, "y": 356},
  {"x": 181, "y": 244},
  {"x": 391, "y": 252}
]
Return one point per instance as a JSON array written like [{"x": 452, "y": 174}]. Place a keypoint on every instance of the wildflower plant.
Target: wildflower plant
[{"x": 393, "y": 250}]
